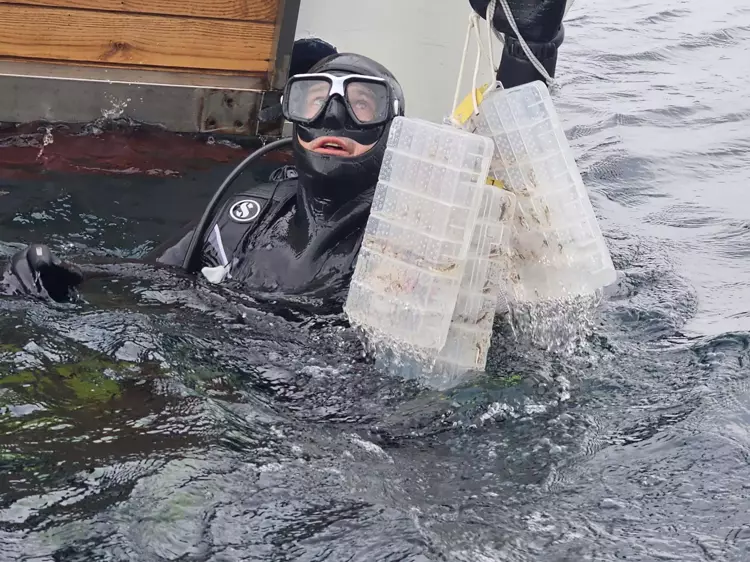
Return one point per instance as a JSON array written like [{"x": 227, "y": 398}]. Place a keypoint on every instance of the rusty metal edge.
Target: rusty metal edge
[{"x": 284, "y": 33}]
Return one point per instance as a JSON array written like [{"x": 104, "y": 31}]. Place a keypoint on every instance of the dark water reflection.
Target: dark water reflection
[{"x": 164, "y": 421}]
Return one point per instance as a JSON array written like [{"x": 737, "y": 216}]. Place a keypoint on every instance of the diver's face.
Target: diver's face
[{"x": 363, "y": 104}]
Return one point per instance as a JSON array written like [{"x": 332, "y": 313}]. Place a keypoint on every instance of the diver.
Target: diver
[{"x": 300, "y": 235}]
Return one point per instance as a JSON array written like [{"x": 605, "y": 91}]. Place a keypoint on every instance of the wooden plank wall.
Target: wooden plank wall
[{"x": 217, "y": 36}]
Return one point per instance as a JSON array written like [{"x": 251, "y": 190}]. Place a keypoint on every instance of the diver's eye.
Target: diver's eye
[
  {"x": 314, "y": 105},
  {"x": 364, "y": 109}
]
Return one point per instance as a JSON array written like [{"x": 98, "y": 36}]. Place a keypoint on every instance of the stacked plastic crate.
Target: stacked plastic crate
[
  {"x": 414, "y": 252},
  {"x": 443, "y": 251},
  {"x": 485, "y": 276},
  {"x": 558, "y": 249}
]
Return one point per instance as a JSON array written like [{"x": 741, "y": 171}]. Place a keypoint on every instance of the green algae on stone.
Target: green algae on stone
[
  {"x": 511, "y": 380},
  {"x": 88, "y": 381},
  {"x": 79, "y": 384},
  {"x": 498, "y": 381},
  {"x": 17, "y": 379}
]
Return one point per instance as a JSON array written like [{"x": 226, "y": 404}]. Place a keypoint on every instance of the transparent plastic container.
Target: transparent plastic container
[
  {"x": 487, "y": 272},
  {"x": 558, "y": 249},
  {"x": 415, "y": 247}
]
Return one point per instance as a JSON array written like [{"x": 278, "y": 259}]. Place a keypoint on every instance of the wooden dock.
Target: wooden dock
[{"x": 188, "y": 65}]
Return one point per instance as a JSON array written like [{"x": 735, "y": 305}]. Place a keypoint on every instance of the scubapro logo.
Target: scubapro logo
[{"x": 245, "y": 211}]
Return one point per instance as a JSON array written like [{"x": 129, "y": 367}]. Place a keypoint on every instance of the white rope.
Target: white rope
[
  {"x": 461, "y": 68},
  {"x": 473, "y": 24},
  {"x": 489, "y": 16}
]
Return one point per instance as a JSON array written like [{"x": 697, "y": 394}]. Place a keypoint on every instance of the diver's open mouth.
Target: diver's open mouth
[{"x": 335, "y": 146}]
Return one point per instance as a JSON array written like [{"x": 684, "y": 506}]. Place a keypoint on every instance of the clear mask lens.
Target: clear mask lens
[{"x": 367, "y": 101}]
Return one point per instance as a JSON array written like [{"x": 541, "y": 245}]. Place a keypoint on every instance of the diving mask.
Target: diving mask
[{"x": 369, "y": 100}]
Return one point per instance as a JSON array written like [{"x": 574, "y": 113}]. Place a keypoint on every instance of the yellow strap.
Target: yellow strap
[{"x": 465, "y": 109}]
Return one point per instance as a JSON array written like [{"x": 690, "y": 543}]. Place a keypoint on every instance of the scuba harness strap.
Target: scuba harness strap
[
  {"x": 239, "y": 217},
  {"x": 192, "y": 257}
]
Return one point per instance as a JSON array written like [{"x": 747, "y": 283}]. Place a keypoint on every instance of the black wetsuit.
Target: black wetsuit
[{"x": 287, "y": 248}]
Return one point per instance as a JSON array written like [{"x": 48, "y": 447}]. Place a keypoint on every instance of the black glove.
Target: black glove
[
  {"x": 35, "y": 270},
  {"x": 538, "y": 21},
  {"x": 540, "y": 24}
]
